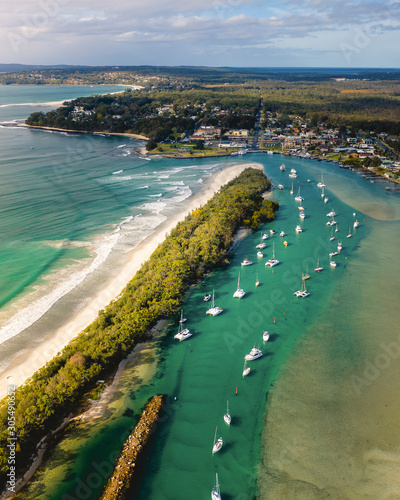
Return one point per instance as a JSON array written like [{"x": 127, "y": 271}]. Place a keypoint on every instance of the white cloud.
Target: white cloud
[{"x": 104, "y": 32}]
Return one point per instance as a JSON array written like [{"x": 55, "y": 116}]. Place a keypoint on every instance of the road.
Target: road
[{"x": 257, "y": 128}]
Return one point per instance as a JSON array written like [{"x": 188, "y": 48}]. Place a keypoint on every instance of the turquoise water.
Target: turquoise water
[
  {"x": 301, "y": 417},
  {"x": 71, "y": 207},
  {"x": 202, "y": 373}
]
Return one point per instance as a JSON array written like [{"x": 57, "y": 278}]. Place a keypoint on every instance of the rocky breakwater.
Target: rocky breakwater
[{"x": 121, "y": 480}]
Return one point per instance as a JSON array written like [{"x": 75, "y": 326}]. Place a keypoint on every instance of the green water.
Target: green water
[{"x": 304, "y": 381}]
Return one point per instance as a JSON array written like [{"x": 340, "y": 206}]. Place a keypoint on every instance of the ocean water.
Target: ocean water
[
  {"x": 317, "y": 417},
  {"x": 71, "y": 207}
]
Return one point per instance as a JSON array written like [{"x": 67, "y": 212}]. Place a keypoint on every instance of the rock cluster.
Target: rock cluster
[{"x": 119, "y": 483}]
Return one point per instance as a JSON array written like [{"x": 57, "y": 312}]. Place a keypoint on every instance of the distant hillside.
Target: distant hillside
[{"x": 18, "y": 68}]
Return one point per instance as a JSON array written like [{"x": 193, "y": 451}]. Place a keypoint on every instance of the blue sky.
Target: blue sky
[{"x": 312, "y": 33}]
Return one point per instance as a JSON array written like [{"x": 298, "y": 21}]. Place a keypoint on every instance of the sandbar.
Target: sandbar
[{"x": 24, "y": 365}]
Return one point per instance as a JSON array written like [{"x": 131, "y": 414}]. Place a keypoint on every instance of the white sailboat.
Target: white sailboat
[
  {"x": 302, "y": 292},
  {"x": 318, "y": 268},
  {"x": 291, "y": 191},
  {"x": 214, "y": 310},
  {"x": 349, "y": 235},
  {"x": 272, "y": 262},
  {"x": 332, "y": 237},
  {"x": 298, "y": 197},
  {"x": 227, "y": 416},
  {"x": 183, "y": 333},
  {"x": 257, "y": 282},
  {"x": 215, "y": 492},
  {"x": 246, "y": 369},
  {"x": 239, "y": 292},
  {"x": 321, "y": 183},
  {"x": 322, "y": 194},
  {"x": 217, "y": 443}
]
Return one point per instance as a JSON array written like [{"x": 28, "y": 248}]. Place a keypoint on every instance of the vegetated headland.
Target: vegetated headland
[
  {"x": 195, "y": 246},
  {"x": 348, "y": 117}
]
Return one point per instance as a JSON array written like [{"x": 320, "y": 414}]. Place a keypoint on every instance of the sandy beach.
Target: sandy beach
[
  {"x": 71, "y": 131},
  {"x": 24, "y": 365}
]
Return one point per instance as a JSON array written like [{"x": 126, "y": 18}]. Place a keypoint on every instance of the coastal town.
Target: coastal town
[{"x": 368, "y": 153}]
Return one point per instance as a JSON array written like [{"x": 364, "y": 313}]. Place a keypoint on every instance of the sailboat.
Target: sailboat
[
  {"x": 272, "y": 262},
  {"x": 257, "y": 282},
  {"x": 322, "y": 194},
  {"x": 321, "y": 183},
  {"x": 302, "y": 292},
  {"x": 215, "y": 492},
  {"x": 182, "y": 320},
  {"x": 318, "y": 268},
  {"x": 262, "y": 243},
  {"x": 349, "y": 235},
  {"x": 298, "y": 197},
  {"x": 305, "y": 276},
  {"x": 217, "y": 443},
  {"x": 332, "y": 237},
  {"x": 227, "y": 416},
  {"x": 246, "y": 369},
  {"x": 283, "y": 167},
  {"x": 183, "y": 333},
  {"x": 339, "y": 246},
  {"x": 214, "y": 310},
  {"x": 291, "y": 191},
  {"x": 239, "y": 292}
]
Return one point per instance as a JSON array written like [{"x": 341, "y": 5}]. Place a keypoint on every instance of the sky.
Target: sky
[{"x": 237, "y": 33}]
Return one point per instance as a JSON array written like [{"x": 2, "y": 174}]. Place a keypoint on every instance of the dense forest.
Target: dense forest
[
  {"x": 156, "y": 115},
  {"x": 369, "y": 106},
  {"x": 197, "y": 245}
]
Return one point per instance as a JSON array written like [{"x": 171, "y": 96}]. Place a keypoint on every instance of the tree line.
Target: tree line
[{"x": 156, "y": 115}]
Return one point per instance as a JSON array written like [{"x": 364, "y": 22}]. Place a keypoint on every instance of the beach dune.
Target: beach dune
[{"x": 23, "y": 366}]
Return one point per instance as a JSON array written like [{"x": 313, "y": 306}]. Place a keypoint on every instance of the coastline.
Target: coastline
[
  {"x": 23, "y": 366},
  {"x": 70, "y": 131}
]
